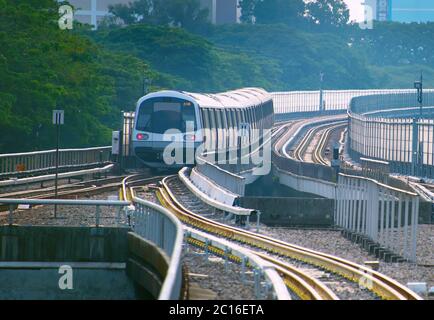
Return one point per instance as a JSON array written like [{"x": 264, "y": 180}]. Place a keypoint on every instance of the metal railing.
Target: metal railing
[
  {"x": 406, "y": 142},
  {"x": 13, "y": 203},
  {"x": 29, "y": 162},
  {"x": 147, "y": 219},
  {"x": 266, "y": 279},
  {"x": 309, "y": 101},
  {"x": 387, "y": 215},
  {"x": 212, "y": 201},
  {"x": 160, "y": 226}
]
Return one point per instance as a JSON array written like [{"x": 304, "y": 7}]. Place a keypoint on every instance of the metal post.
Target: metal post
[
  {"x": 97, "y": 215},
  {"x": 406, "y": 212},
  {"x": 414, "y": 148},
  {"x": 321, "y": 102},
  {"x": 243, "y": 269},
  {"x": 226, "y": 258},
  {"x": 257, "y": 283},
  {"x": 57, "y": 167},
  {"x": 11, "y": 215},
  {"x": 118, "y": 216},
  {"x": 414, "y": 223},
  {"x": 258, "y": 218},
  {"x": 206, "y": 249}
]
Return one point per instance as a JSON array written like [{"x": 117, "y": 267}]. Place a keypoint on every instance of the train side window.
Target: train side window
[
  {"x": 213, "y": 130},
  {"x": 243, "y": 115},
  {"x": 230, "y": 125},
  {"x": 250, "y": 117},
  {"x": 224, "y": 119},
  {"x": 238, "y": 118},
  {"x": 219, "y": 120},
  {"x": 205, "y": 118},
  {"x": 188, "y": 115},
  {"x": 212, "y": 119},
  {"x": 144, "y": 117}
]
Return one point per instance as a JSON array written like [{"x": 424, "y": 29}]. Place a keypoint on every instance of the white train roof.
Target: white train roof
[{"x": 242, "y": 98}]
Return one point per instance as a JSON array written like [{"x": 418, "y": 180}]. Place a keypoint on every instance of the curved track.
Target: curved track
[{"x": 303, "y": 285}]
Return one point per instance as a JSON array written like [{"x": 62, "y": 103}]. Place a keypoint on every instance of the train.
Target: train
[{"x": 172, "y": 123}]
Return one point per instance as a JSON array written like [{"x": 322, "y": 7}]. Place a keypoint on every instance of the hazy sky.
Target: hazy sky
[{"x": 356, "y": 9}]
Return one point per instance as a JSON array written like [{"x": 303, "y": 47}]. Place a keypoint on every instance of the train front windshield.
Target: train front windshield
[{"x": 158, "y": 115}]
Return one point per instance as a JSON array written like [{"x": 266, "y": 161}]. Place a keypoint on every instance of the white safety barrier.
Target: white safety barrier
[
  {"x": 29, "y": 162},
  {"x": 263, "y": 270},
  {"x": 121, "y": 205},
  {"x": 228, "y": 180},
  {"x": 386, "y": 215},
  {"x": 319, "y": 187},
  {"x": 309, "y": 101},
  {"x": 239, "y": 211},
  {"x": 405, "y": 139},
  {"x": 64, "y": 175},
  {"x": 160, "y": 226},
  {"x": 210, "y": 188}
]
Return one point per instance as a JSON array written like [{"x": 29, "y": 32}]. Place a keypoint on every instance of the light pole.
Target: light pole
[
  {"x": 58, "y": 119},
  {"x": 321, "y": 102},
  {"x": 418, "y": 85},
  {"x": 417, "y": 145}
]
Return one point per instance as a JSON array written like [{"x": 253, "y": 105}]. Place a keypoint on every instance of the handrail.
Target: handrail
[
  {"x": 208, "y": 200},
  {"x": 379, "y": 184},
  {"x": 64, "y": 202},
  {"x": 280, "y": 290},
  {"x": 172, "y": 283},
  {"x": 52, "y": 176},
  {"x": 97, "y": 203},
  {"x": 53, "y": 150}
]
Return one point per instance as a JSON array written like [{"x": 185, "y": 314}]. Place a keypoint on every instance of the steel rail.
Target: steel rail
[
  {"x": 218, "y": 246},
  {"x": 382, "y": 285},
  {"x": 305, "y": 286},
  {"x": 301, "y": 287},
  {"x": 317, "y": 154},
  {"x": 304, "y": 144}
]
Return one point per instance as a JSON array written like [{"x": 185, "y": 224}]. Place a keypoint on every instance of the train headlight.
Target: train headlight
[
  {"x": 189, "y": 137},
  {"x": 142, "y": 136}
]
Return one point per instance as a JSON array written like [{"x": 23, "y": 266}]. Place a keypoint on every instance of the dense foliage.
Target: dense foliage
[
  {"x": 95, "y": 75},
  {"x": 43, "y": 68}
]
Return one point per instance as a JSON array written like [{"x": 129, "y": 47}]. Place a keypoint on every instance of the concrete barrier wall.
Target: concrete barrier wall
[
  {"x": 305, "y": 212},
  {"x": 147, "y": 264},
  {"x": 51, "y": 243}
]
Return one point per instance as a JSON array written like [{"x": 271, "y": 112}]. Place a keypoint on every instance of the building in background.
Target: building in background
[
  {"x": 412, "y": 10},
  {"x": 93, "y": 11},
  {"x": 402, "y": 10},
  {"x": 381, "y": 9},
  {"x": 222, "y": 11}
]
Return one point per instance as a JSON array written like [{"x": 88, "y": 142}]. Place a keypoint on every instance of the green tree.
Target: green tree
[
  {"x": 182, "y": 13},
  {"x": 289, "y": 12},
  {"x": 247, "y": 10},
  {"x": 328, "y": 13}
]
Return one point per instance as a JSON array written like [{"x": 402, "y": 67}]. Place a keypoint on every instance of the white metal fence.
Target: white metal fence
[
  {"x": 160, "y": 226},
  {"x": 406, "y": 142},
  {"x": 386, "y": 215},
  {"x": 15, "y": 163},
  {"x": 309, "y": 101}
]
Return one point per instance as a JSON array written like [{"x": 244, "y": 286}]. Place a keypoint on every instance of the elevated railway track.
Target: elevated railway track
[{"x": 303, "y": 284}]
